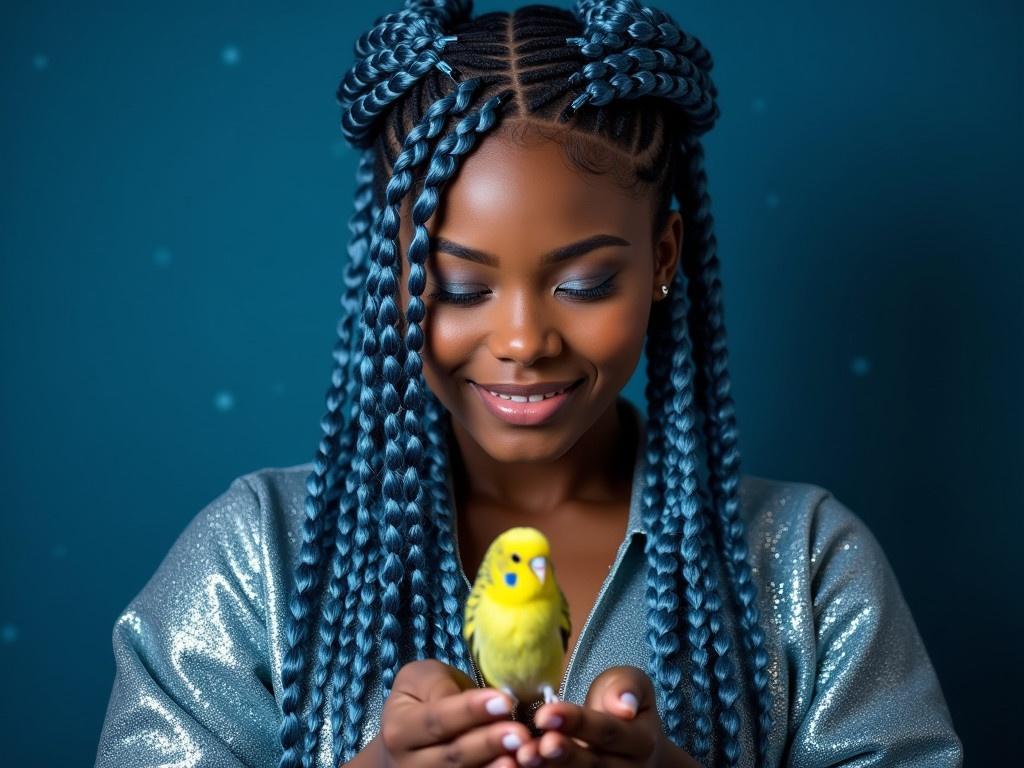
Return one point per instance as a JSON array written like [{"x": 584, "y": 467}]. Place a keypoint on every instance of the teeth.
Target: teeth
[{"x": 527, "y": 398}]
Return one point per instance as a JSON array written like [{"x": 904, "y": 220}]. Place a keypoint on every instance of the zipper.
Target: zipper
[
  {"x": 623, "y": 547},
  {"x": 480, "y": 682}
]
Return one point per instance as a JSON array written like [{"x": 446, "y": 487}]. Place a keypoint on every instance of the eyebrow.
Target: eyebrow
[{"x": 563, "y": 253}]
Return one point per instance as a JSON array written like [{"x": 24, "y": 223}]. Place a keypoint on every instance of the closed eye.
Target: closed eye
[{"x": 577, "y": 294}]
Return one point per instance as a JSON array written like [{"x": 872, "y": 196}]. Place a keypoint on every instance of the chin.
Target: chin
[{"x": 532, "y": 447}]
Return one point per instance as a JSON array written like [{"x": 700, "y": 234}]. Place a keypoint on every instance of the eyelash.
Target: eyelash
[{"x": 581, "y": 294}]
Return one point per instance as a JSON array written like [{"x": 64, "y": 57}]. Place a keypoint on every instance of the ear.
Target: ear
[{"x": 666, "y": 254}]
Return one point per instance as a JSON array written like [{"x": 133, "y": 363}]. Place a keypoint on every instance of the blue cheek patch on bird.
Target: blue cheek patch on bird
[{"x": 510, "y": 579}]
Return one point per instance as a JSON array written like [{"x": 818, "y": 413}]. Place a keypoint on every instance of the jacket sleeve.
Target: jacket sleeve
[
  {"x": 192, "y": 681},
  {"x": 876, "y": 700}
]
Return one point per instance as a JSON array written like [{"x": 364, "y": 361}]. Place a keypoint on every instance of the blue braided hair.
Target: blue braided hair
[{"x": 378, "y": 572}]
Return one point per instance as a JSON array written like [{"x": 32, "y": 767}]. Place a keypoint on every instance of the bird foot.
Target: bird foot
[{"x": 549, "y": 694}]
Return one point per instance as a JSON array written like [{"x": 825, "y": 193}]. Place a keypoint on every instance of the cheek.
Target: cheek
[
  {"x": 610, "y": 336},
  {"x": 448, "y": 342}
]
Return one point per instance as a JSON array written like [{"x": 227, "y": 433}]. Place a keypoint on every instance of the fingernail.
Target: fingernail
[
  {"x": 534, "y": 761},
  {"x": 630, "y": 701},
  {"x": 497, "y": 705},
  {"x": 511, "y": 742},
  {"x": 550, "y": 721}
]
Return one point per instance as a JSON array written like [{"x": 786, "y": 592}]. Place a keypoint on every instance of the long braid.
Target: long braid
[
  {"x": 682, "y": 502},
  {"x": 322, "y": 481},
  {"x": 362, "y": 575},
  {"x": 342, "y": 380},
  {"x": 448, "y": 644},
  {"x": 661, "y": 594},
  {"x": 700, "y": 262},
  {"x": 657, "y": 393},
  {"x": 393, "y": 570},
  {"x": 354, "y": 529},
  {"x": 621, "y": 72},
  {"x": 366, "y": 611},
  {"x": 366, "y": 410},
  {"x": 401, "y": 183},
  {"x": 727, "y": 688},
  {"x": 326, "y": 652},
  {"x": 443, "y": 164}
]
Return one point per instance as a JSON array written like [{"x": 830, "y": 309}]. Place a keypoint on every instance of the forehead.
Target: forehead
[{"x": 527, "y": 191}]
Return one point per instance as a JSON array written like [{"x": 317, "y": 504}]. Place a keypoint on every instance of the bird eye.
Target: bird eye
[{"x": 515, "y": 558}]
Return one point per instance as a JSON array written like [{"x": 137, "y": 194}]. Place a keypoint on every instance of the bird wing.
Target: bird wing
[{"x": 564, "y": 621}]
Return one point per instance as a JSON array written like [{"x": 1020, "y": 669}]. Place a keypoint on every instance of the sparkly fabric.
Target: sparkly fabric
[{"x": 198, "y": 651}]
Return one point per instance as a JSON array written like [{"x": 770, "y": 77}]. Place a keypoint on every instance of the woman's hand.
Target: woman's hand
[
  {"x": 618, "y": 726},
  {"x": 435, "y": 715}
]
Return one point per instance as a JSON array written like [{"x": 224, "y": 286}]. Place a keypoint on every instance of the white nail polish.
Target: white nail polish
[
  {"x": 511, "y": 742},
  {"x": 630, "y": 701},
  {"x": 497, "y": 706}
]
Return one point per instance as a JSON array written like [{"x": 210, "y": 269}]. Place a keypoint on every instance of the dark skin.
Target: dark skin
[{"x": 517, "y": 200}]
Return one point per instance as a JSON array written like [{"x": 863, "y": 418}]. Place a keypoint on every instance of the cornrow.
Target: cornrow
[{"x": 627, "y": 93}]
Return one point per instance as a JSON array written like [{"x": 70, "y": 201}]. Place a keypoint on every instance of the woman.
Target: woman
[{"x": 514, "y": 250}]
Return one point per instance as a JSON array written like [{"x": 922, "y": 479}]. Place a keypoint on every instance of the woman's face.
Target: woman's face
[{"x": 504, "y": 313}]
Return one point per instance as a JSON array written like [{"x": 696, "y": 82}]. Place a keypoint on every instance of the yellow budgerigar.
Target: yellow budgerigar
[{"x": 517, "y": 621}]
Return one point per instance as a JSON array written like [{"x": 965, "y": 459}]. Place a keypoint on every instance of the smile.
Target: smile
[{"x": 525, "y": 410}]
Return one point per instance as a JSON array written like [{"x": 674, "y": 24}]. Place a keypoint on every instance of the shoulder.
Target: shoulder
[
  {"x": 791, "y": 514},
  {"x": 269, "y": 496},
  {"x": 808, "y": 548},
  {"x": 279, "y": 491},
  {"x": 274, "y": 507},
  {"x": 246, "y": 529},
  {"x": 800, "y": 536}
]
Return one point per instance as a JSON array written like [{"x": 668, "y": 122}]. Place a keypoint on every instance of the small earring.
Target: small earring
[{"x": 664, "y": 290}]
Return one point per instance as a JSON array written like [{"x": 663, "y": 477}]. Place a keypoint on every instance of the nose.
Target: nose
[{"x": 523, "y": 333}]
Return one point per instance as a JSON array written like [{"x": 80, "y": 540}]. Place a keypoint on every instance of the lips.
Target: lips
[{"x": 527, "y": 413}]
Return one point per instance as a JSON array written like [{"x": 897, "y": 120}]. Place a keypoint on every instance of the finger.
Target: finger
[
  {"x": 606, "y": 733},
  {"x": 557, "y": 749},
  {"x": 528, "y": 755},
  {"x": 429, "y": 679},
  {"x": 624, "y": 691},
  {"x": 476, "y": 747},
  {"x": 443, "y": 719}
]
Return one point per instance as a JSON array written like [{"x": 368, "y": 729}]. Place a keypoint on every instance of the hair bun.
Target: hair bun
[
  {"x": 391, "y": 57},
  {"x": 637, "y": 51}
]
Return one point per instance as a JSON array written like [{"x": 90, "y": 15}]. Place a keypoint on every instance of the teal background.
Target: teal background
[{"x": 175, "y": 195}]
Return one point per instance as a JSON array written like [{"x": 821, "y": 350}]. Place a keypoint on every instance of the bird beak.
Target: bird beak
[{"x": 538, "y": 566}]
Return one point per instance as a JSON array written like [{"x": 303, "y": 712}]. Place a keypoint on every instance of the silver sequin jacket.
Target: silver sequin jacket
[{"x": 198, "y": 651}]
